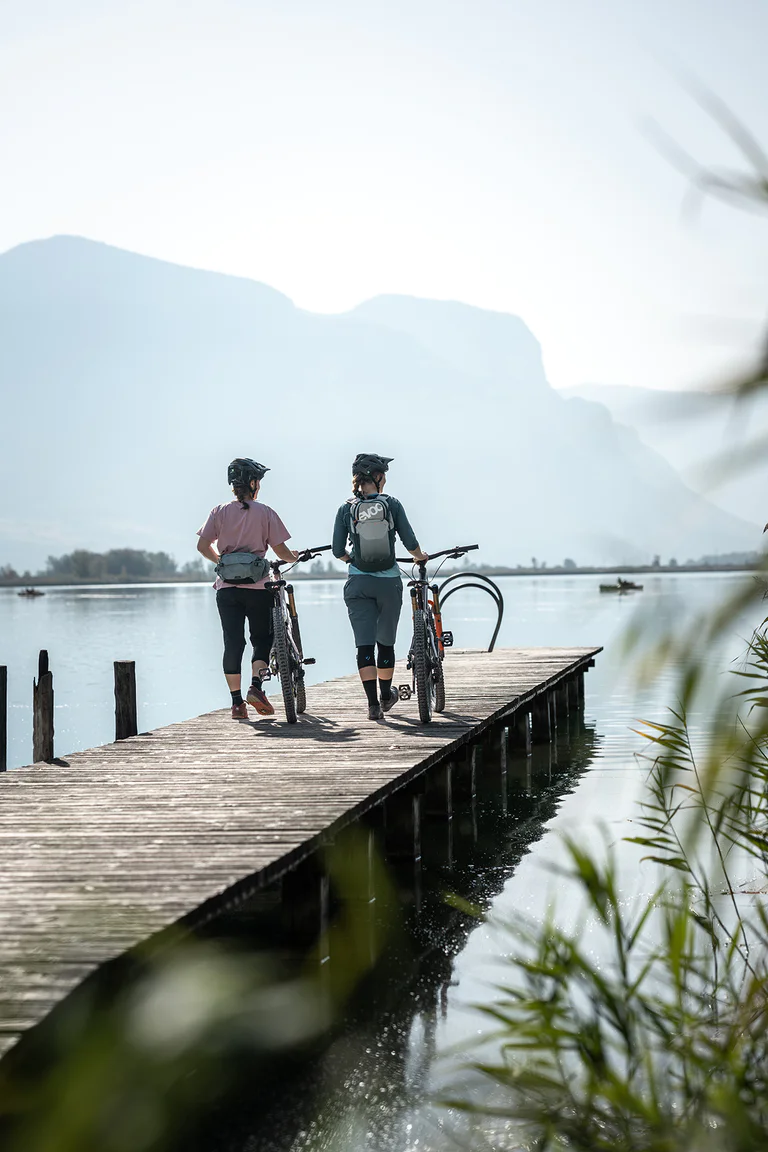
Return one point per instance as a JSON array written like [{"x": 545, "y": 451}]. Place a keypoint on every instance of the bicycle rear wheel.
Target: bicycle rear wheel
[
  {"x": 284, "y": 662},
  {"x": 422, "y": 668}
]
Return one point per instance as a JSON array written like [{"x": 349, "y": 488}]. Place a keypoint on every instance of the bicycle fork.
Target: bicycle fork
[{"x": 293, "y": 613}]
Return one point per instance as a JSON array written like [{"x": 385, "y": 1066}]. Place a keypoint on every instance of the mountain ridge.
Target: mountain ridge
[{"x": 131, "y": 382}]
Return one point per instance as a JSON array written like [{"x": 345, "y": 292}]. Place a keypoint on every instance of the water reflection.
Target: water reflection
[{"x": 369, "y": 1086}]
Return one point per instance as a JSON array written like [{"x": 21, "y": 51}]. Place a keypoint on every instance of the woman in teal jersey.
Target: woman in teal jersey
[{"x": 364, "y": 537}]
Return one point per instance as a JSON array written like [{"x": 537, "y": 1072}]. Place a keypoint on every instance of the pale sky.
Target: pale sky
[{"x": 490, "y": 151}]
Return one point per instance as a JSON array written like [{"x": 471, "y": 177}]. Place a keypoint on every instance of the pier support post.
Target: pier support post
[
  {"x": 465, "y": 780},
  {"x": 503, "y": 765},
  {"x": 42, "y": 712},
  {"x": 579, "y": 681},
  {"x": 402, "y": 833},
  {"x": 562, "y": 698},
  {"x": 3, "y": 717},
  {"x": 438, "y": 797},
  {"x": 465, "y": 787},
  {"x": 541, "y": 725},
  {"x": 126, "y": 722},
  {"x": 438, "y": 809},
  {"x": 520, "y": 731}
]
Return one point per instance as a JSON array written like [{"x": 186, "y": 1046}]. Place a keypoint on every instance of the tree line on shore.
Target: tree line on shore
[
  {"x": 137, "y": 564},
  {"x": 116, "y": 564}
]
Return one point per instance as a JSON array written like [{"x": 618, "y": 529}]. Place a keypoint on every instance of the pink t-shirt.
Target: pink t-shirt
[{"x": 238, "y": 529}]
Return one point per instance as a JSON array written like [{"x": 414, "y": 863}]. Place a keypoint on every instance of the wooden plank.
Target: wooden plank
[{"x": 114, "y": 844}]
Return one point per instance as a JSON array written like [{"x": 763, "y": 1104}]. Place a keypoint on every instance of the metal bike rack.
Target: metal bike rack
[{"x": 488, "y": 586}]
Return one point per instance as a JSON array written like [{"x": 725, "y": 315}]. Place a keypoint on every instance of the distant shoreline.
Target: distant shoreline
[{"x": 619, "y": 570}]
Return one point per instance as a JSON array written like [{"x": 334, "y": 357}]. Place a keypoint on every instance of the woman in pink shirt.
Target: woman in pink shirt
[{"x": 241, "y": 531}]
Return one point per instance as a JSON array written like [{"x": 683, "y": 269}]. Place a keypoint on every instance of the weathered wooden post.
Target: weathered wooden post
[
  {"x": 503, "y": 766},
  {"x": 438, "y": 797},
  {"x": 3, "y": 718},
  {"x": 438, "y": 810},
  {"x": 561, "y": 695},
  {"x": 126, "y": 723},
  {"x": 541, "y": 729},
  {"x": 520, "y": 731},
  {"x": 42, "y": 712}
]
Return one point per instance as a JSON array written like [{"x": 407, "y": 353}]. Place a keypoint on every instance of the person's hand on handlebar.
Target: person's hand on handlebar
[
  {"x": 284, "y": 553},
  {"x": 419, "y": 556}
]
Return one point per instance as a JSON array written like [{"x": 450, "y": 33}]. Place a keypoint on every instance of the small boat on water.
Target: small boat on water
[
  {"x": 31, "y": 592},
  {"x": 621, "y": 587}
]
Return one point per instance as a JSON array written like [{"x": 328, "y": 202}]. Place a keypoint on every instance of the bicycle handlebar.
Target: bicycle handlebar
[
  {"x": 455, "y": 552},
  {"x": 304, "y": 554}
]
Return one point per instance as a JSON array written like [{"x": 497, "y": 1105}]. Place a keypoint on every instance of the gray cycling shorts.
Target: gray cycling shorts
[{"x": 373, "y": 604}]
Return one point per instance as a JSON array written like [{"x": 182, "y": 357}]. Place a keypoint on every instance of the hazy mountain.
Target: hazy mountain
[
  {"x": 129, "y": 383},
  {"x": 696, "y": 431}
]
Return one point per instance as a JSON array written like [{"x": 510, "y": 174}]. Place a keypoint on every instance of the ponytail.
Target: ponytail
[
  {"x": 360, "y": 478},
  {"x": 243, "y": 494}
]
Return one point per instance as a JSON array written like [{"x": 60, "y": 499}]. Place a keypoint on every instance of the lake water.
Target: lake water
[
  {"x": 372, "y": 1089},
  {"x": 172, "y": 632}
]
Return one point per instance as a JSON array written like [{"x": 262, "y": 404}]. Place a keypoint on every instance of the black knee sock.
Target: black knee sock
[
  {"x": 370, "y": 691},
  {"x": 385, "y": 686},
  {"x": 237, "y": 698},
  {"x": 256, "y": 680}
]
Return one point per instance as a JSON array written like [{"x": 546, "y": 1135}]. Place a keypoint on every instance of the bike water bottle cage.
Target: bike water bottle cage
[
  {"x": 242, "y": 470},
  {"x": 372, "y": 531}
]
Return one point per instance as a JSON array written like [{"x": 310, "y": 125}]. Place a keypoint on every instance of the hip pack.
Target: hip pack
[
  {"x": 372, "y": 528},
  {"x": 241, "y": 568}
]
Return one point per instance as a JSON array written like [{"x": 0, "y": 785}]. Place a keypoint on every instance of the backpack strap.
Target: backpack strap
[
  {"x": 353, "y": 506},
  {"x": 390, "y": 517}
]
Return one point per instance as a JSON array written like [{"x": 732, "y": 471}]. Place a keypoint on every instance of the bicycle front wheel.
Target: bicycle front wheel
[
  {"x": 439, "y": 686},
  {"x": 284, "y": 662},
  {"x": 300, "y": 691},
  {"x": 422, "y": 667}
]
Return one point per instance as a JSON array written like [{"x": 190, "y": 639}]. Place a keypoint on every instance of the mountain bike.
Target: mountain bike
[
  {"x": 425, "y": 659},
  {"x": 286, "y": 658}
]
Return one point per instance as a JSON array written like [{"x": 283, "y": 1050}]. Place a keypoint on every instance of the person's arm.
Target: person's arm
[
  {"x": 208, "y": 535},
  {"x": 277, "y": 535},
  {"x": 283, "y": 552},
  {"x": 206, "y": 548},
  {"x": 406, "y": 533},
  {"x": 340, "y": 536}
]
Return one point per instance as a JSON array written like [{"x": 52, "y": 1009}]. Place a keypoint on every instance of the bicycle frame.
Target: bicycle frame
[
  {"x": 286, "y": 657},
  {"x": 420, "y": 590},
  {"x": 429, "y": 640},
  {"x": 284, "y": 600}
]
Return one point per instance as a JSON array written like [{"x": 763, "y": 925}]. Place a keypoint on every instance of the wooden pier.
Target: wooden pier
[{"x": 105, "y": 848}]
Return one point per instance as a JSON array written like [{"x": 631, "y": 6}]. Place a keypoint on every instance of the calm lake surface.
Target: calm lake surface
[
  {"x": 372, "y": 1089},
  {"x": 172, "y": 632}
]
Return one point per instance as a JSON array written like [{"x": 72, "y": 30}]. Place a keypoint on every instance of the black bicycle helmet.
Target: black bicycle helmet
[
  {"x": 366, "y": 463},
  {"x": 242, "y": 470}
]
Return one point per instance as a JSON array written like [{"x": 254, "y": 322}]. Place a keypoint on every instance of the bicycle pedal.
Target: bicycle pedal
[
  {"x": 309, "y": 660},
  {"x": 447, "y": 639},
  {"x": 265, "y": 675},
  {"x": 404, "y": 692}
]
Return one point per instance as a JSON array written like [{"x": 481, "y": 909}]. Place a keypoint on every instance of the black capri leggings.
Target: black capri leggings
[{"x": 235, "y": 605}]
